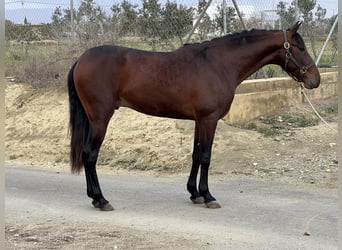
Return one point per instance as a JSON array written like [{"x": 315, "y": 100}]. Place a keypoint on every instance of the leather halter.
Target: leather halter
[{"x": 289, "y": 57}]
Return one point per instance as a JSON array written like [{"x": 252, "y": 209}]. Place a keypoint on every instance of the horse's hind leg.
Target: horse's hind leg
[
  {"x": 90, "y": 155},
  {"x": 196, "y": 161}
]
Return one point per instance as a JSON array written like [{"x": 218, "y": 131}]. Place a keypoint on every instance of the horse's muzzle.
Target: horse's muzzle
[{"x": 312, "y": 82}]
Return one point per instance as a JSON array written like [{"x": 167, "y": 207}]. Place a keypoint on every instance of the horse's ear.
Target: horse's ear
[{"x": 295, "y": 27}]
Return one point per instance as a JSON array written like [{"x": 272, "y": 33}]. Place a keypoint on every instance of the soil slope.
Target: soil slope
[{"x": 37, "y": 136}]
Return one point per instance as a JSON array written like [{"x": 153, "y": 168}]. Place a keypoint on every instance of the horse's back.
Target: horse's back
[{"x": 102, "y": 57}]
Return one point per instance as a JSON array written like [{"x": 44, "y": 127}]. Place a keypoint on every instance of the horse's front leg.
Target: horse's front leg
[
  {"x": 207, "y": 132},
  {"x": 209, "y": 200}
]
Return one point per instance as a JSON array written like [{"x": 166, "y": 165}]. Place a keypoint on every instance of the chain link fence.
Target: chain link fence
[{"x": 43, "y": 38}]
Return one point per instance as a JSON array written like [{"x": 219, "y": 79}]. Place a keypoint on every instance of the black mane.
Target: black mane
[
  {"x": 243, "y": 34},
  {"x": 235, "y": 36}
]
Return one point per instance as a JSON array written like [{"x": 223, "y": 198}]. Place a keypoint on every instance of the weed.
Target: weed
[
  {"x": 104, "y": 160},
  {"x": 133, "y": 164},
  {"x": 38, "y": 65},
  {"x": 59, "y": 159},
  {"x": 299, "y": 120},
  {"x": 125, "y": 163},
  {"x": 13, "y": 157},
  {"x": 332, "y": 109},
  {"x": 269, "y": 131},
  {"x": 280, "y": 124},
  {"x": 251, "y": 126},
  {"x": 270, "y": 119}
]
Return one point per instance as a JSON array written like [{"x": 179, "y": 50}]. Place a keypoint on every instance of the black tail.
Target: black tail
[{"x": 78, "y": 125}]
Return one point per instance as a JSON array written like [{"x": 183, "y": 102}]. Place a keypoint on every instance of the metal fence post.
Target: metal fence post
[
  {"x": 197, "y": 21},
  {"x": 72, "y": 20},
  {"x": 326, "y": 41}
]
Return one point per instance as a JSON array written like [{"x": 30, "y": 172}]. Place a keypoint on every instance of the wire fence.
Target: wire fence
[{"x": 45, "y": 34}]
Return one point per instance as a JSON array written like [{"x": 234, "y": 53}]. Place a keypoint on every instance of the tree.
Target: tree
[
  {"x": 26, "y": 22},
  {"x": 258, "y": 20},
  {"x": 124, "y": 18},
  {"x": 115, "y": 25},
  {"x": 287, "y": 14},
  {"x": 11, "y": 30},
  {"x": 320, "y": 19},
  {"x": 305, "y": 12},
  {"x": 90, "y": 23},
  {"x": 150, "y": 22},
  {"x": 206, "y": 25},
  {"x": 20, "y": 32},
  {"x": 230, "y": 19},
  {"x": 176, "y": 21},
  {"x": 306, "y": 8},
  {"x": 58, "y": 23}
]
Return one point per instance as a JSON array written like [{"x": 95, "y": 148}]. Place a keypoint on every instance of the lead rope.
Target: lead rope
[{"x": 313, "y": 108}]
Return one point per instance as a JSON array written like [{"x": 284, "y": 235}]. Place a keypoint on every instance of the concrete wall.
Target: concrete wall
[{"x": 254, "y": 98}]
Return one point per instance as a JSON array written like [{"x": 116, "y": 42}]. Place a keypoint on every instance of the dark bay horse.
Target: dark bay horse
[{"x": 196, "y": 82}]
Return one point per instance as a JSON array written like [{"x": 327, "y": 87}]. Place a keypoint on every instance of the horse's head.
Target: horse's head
[{"x": 297, "y": 61}]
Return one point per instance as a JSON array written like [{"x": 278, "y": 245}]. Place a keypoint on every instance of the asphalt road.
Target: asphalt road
[{"x": 254, "y": 214}]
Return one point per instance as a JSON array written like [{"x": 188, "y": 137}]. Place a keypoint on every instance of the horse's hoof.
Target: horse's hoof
[
  {"x": 107, "y": 207},
  {"x": 213, "y": 204},
  {"x": 96, "y": 204},
  {"x": 197, "y": 200}
]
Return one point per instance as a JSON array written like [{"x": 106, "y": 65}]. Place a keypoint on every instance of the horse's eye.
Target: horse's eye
[{"x": 301, "y": 48}]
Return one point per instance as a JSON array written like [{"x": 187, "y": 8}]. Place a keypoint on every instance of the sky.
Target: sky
[{"x": 40, "y": 11}]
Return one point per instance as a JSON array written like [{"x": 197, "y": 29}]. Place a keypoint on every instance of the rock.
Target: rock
[
  {"x": 68, "y": 238},
  {"x": 32, "y": 239}
]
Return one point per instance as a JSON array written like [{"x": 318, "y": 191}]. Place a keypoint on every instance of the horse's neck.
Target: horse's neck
[{"x": 251, "y": 56}]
